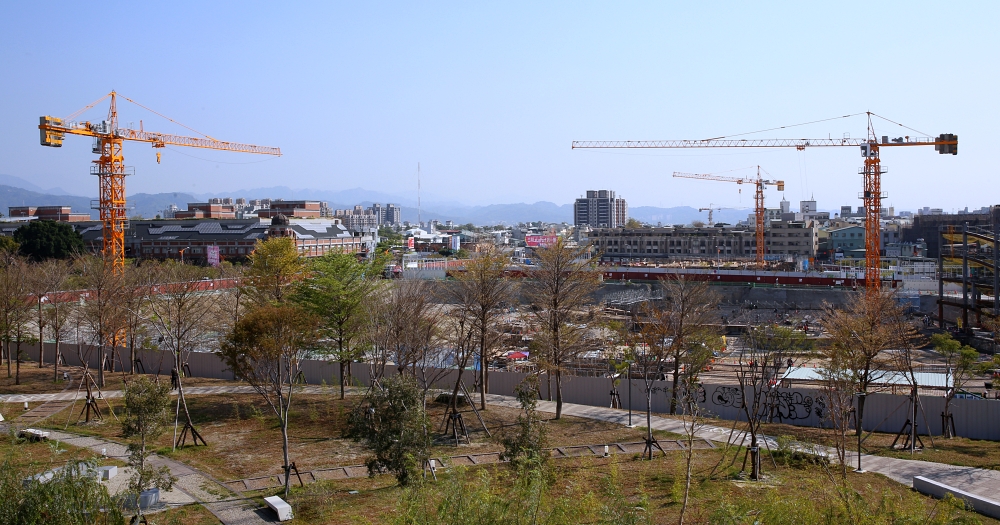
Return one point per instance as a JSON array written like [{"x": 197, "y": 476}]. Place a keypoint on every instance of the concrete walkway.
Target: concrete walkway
[
  {"x": 981, "y": 482},
  {"x": 192, "y": 486}
]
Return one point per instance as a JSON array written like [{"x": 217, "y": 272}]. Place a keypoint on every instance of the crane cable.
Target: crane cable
[
  {"x": 170, "y": 119},
  {"x": 901, "y": 125},
  {"x": 85, "y": 108},
  {"x": 789, "y": 126}
]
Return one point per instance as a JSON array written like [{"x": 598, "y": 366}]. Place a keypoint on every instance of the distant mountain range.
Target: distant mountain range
[{"x": 15, "y": 191}]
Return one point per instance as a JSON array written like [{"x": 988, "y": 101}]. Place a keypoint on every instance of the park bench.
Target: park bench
[{"x": 280, "y": 507}]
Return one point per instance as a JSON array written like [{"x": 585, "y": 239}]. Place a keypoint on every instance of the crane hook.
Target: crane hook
[{"x": 157, "y": 157}]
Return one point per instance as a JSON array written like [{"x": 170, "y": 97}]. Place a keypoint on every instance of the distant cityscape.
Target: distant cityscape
[{"x": 801, "y": 238}]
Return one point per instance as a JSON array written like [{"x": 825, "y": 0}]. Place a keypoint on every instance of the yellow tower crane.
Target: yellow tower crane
[
  {"x": 712, "y": 208},
  {"x": 759, "y": 209},
  {"x": 872, "y": 171},
  {"x": 110, "y": 166}
]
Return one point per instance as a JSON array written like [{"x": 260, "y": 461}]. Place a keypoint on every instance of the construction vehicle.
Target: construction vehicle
[
  {"x": 759, "y": 209},
  {"x": 945, "y": 143},
  {"x": 110, "y": 166}
]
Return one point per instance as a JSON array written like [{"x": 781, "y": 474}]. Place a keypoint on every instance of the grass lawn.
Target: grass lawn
[
  {"x": 39, "y": 456},
  {"x": 956, "y": 451},
  {"x": 186, "y": 515},
  {"x": 607, "y": 490}
]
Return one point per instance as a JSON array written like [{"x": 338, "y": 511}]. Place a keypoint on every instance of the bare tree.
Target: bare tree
[
  {"x": 397, "y": 324},
  {"x": 860, "y": 335},
  {"x": 44, "y": 278},
  {"x": 692, "y": 423},
  {"x": 184, "y": 317},
  {"x": 764, "y": 352},
  {"x": 838, "y": 389},
  {"x": 907, "y": 340},
  {"x": 645, "y": 341},
  {"x": 137, "y": 288},
  {"x": 14, "y": 305},
  {"x": 482, "y": 290},
  {"x": 458, "y": 329},
  {"x": 560, "y": 288},
  {"x": 58, "y": 314},
  {"x": 265, "y": 349},
  {"x": 686, "y": 318},
  {"x": 102, "y": 310}
]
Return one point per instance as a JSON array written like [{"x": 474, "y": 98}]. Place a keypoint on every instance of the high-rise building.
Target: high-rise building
[
  {"x": 600, "y": 209},
  {"x": 393, "y": 214}
]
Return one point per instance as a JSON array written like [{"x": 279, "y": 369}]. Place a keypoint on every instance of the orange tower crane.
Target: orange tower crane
[
  {"x": 759, "y": 209},
  {"x": 872, "y": 170},
  {"x": 110, "y": 166}
]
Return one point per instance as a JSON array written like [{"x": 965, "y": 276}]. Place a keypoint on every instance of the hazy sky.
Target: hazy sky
[{"x": 488, "y": 97}]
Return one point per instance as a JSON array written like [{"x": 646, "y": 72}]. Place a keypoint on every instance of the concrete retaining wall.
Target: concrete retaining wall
[
  {"x": 975, "y": 419},
  {"x": 939, "y": 490}
]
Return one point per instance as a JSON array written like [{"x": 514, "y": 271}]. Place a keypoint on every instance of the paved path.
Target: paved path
[
  {"x": 68, "y": 395},
  {"x": 192, "y": 486},
  {"x": 981, "y": 482}
]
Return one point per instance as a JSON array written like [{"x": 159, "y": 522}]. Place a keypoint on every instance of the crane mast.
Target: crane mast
[
  {"x": 110, "y": 167},
  {"x": 945, "y": 143}
]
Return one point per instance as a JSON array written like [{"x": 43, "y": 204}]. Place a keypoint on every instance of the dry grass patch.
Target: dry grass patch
[{"x": 244, "y": 439}]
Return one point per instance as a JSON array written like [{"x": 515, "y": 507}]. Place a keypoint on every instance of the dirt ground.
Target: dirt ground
[{"x": 244, "y": 439}]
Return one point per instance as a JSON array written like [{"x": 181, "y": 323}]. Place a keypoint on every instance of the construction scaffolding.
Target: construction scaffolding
[{"x": 969, "y": 258}]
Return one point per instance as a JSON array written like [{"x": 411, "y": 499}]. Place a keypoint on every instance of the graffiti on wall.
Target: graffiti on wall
[{"x": 778, "y": 405}]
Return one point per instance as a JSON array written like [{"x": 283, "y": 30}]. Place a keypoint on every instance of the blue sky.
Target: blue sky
[{"x": 487, "y": 97}]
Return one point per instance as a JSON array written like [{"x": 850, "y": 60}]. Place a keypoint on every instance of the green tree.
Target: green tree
[
  {"x": 960, "y": 360},
  {"x": 73, "y": 496},
  {"x": 335, "y": 292},
  {"x": 8, "y": 244},
  {"x": 524, "y": 445},
  {"x": 275, "y": 266},
  {"x": 146, "y": 417},
  {"x": 633, "y": 223},
  {"x": 41, "y": 240},
  {"x": 392, "y": 423},
  {"x": 265, "y": 349}
]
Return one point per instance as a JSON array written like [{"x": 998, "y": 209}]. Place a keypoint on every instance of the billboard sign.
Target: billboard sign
[
  {"x": 456, "y": 242},
  {"x": 410, "y": 243},
  {"x": 212, "y": 253},
  {"x": 539, "y": 241}
]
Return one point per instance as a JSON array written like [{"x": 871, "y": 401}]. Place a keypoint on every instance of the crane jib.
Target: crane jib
[{"x": 756, "y": 143}]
